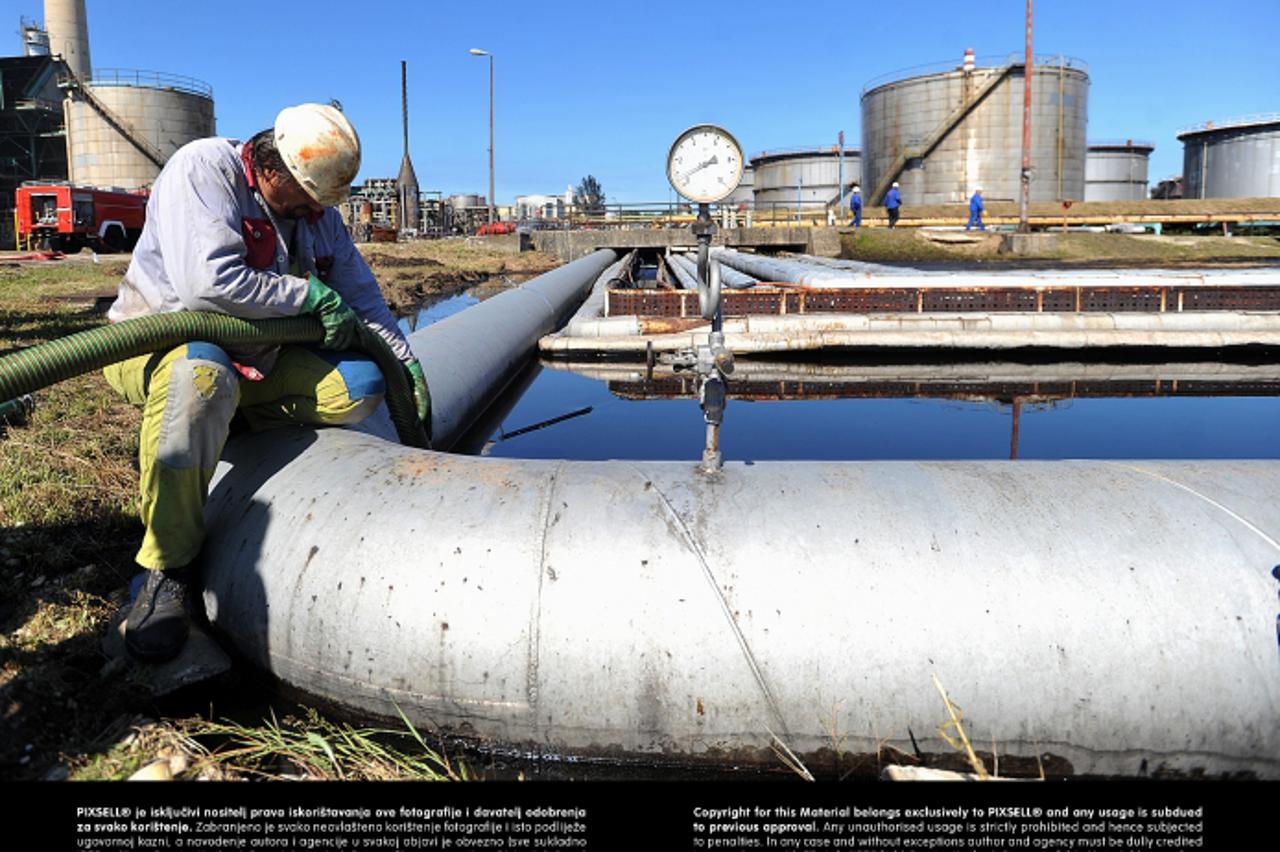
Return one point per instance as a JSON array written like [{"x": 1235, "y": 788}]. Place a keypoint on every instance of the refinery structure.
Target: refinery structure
[
  {"x": 718, "y": 632},
  {"x": 939, "y": 131}
]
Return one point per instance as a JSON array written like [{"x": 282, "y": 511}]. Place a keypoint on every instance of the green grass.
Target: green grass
[
  {"x": 892, "y": 246},
  {"x": 77, "y": 276}
]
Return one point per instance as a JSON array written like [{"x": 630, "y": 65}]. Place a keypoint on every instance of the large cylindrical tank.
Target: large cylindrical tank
[
  {"x": 811, "y": 175},
  {"x": 1235, "y": 159},
  {"x": 746, "y": 190},
  {"x": 67, "y": 24},
  {"x": 163, "y": 111},
  {"x": 466, "y": 201},
  {"x": 950, "y": 131},
  {"x": 1116, "y": 171}
]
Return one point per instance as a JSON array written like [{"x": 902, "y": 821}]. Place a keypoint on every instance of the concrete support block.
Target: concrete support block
[
  {"x": 823, "y": 242},
  {"x": 1028, "y": 243}
]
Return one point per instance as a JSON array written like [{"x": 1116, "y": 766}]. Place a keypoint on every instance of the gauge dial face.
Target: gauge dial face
[{"x": 705, "y": 163}]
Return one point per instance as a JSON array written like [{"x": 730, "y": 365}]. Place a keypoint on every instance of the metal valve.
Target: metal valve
[{"x": 713, "y": 360}]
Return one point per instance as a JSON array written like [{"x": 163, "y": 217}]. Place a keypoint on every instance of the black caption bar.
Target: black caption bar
[{"x": 681, "y": 816}]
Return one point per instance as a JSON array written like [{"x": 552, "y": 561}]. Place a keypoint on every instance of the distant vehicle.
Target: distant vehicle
[
  {"x": 67, "y": 218},
  {"x": 489, "y": 229}
]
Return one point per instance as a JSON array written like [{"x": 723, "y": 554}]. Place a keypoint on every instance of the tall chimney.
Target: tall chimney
[
  {"x": 407, "y": 181},
  {"x": 68, "y": 26}
]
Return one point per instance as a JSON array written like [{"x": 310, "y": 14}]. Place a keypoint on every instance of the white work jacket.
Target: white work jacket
[{"x": 211, "y": 244}]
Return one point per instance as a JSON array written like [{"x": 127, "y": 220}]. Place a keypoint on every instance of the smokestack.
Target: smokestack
[
  {"x": 68, "y": 26},
  {"x": 407, "y": 181}
]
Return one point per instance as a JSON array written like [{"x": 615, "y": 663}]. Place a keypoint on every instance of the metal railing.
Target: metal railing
[
  {"x": 136, "y": 78},
  {"x": 1238, "y": 121},
  {"x": 801, "y": 150},
  {"x": 673, "y": 214},
  {"x": 1120, "y": 143},
  {"x": 981, "y": 63}
]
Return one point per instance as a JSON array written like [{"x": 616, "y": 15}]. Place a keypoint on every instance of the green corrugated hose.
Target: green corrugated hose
[{"x": 49, "y": 363}]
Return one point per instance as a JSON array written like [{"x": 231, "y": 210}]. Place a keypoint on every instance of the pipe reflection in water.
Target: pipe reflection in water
[{"x": 921, "y": 411}]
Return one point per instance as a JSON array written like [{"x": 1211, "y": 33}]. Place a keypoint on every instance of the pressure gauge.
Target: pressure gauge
[{"x": 705, "y": 163}]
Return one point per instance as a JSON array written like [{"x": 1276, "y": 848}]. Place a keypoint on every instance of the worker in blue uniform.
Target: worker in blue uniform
[
  {"x": 855, "y": 206},
  {"x": 893, "y": 203},
  {"x": 975, "y": 211}
]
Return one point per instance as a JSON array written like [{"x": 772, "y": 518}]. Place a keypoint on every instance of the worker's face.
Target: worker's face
[{"x": 286, "y": 198}]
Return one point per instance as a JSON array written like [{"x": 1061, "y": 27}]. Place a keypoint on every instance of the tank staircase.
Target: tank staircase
[
  {"x": 71, "y": 83},
  {"x": 839, "y": 199},
  {"x": 939, "y": 133}
]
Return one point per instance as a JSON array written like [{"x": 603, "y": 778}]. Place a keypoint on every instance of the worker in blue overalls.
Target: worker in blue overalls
[
  {"x": 855, "y": 206},
  {"x": 893, "y": 204},
  {"x": 975, "y": 211}
]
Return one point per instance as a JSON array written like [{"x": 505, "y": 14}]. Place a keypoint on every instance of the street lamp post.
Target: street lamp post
[{"x": 475, "y": 51}]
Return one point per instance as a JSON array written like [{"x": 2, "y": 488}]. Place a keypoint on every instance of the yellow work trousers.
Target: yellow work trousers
[{"x": 188, "y": 397}]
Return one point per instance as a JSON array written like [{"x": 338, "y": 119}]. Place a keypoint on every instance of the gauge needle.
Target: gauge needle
[{"x": 700, "y": 167}]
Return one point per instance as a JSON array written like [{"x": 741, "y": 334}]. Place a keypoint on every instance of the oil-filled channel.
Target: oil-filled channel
[{"x": 909, "y": 404}]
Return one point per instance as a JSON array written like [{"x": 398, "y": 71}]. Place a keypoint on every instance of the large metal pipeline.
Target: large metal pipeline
[
  {"x": 686, "y": 274},
  {"x": 1102, "y": 617},
  {"x": 1120, "y": 617},
  {"x": 469, "y": 361},
  {"x": 851, "y": 274},
  {"x": 729, "y": 277},
  {"x": 996, "y": 330},
  {"x": 593, "y": 306}
]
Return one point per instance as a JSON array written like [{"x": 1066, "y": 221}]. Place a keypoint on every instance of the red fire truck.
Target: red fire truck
[{"x": 68, "y": 218}]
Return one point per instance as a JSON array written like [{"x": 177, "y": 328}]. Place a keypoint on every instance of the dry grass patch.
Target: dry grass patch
[{"x": 411, "y": 272}]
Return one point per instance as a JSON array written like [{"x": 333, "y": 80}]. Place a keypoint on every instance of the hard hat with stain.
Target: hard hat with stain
[{"x": 321, "y": 150}]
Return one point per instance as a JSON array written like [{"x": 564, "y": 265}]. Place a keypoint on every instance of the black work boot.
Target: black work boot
[{"x": 157, "y": 625}]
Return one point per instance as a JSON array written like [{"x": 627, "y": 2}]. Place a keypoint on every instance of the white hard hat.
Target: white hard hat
[
  {"x": 321, "y": 150},
  {"x": 895, "y": 184}
]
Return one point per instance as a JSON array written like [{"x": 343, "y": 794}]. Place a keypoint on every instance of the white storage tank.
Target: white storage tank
[
  {"x": 1239, "y": 158},
  {"x": 745, "y": 193},
  {"x": 810, "y": 175},
  {"x": 148, "y": 116},
  {"x": 467, "y": 201},
  {"x": 1117, "y": 170}
]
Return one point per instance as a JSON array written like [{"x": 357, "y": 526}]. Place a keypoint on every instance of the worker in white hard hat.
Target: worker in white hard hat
[
  {"x": 976, "y": 207},
  {"x": 246, "y": 229},
  {"x": 893, "y": 204}
]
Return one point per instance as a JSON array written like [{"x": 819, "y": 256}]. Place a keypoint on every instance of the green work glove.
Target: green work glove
[
  {"x": 421, "y": 396},
  {"x": 339, "y": 321}
]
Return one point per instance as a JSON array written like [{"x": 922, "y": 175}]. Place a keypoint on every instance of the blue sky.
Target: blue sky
[{"x": 603, "y": 88}]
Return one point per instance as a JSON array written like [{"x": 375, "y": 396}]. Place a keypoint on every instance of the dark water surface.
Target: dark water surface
[{"x": 1053, "y": 411}]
